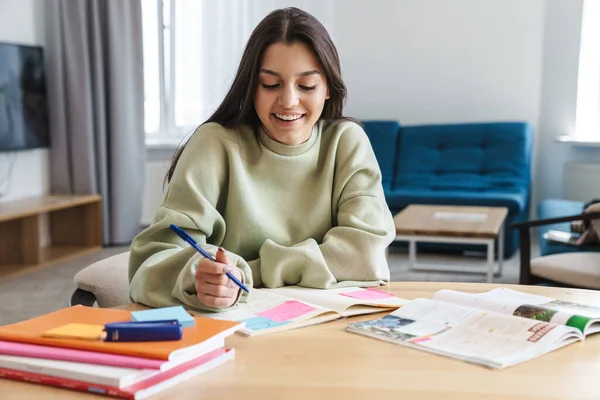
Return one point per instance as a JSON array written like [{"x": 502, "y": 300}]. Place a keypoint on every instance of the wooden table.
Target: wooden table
[
  {"x": 452, "y": 224},
  {"x": 324, "y": 362}
]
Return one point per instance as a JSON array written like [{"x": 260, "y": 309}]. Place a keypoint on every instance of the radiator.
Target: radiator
[
  {"x": 153, "y": 189},
  {"x": 582, "y": 182}
]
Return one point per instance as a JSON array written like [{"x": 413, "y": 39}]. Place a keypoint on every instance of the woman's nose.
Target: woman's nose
[{"x": 288, "y": 98}]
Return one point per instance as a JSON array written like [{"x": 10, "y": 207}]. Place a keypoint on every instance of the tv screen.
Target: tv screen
[{"x": 23, "y": 101}]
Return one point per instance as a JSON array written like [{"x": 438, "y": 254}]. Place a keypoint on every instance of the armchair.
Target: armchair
[
  {"x": 103, "y": 282},
  {"x": 579, "y": 269}
]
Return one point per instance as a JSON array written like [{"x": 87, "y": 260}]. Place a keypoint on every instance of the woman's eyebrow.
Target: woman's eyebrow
[{"x": 306, "y": 73}]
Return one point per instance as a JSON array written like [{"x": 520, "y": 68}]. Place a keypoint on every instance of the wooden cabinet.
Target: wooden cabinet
[{"x": 39, "y": 231}]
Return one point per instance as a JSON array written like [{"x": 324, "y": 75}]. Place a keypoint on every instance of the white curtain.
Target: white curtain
[{"x": 211, "y": 35}]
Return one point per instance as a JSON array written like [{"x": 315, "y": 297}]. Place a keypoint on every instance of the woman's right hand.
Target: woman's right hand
[{"x": 213, "y": 286}]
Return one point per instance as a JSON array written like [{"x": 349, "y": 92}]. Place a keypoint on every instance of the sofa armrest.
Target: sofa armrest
[
  {"x": 525, "y": 277},
  {"x": 547, "y": 221}
]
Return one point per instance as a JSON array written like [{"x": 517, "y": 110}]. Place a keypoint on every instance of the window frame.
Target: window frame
[{"x": 169, "y": 134}]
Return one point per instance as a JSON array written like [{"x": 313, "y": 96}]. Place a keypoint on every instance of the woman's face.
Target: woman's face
[{"x": 291, "y": 92}]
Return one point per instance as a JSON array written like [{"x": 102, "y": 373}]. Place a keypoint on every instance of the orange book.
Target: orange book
[{"x": 206, "y": 335}]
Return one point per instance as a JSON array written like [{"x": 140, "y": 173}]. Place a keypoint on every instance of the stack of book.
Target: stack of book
[{"x": 131, "y": 370}]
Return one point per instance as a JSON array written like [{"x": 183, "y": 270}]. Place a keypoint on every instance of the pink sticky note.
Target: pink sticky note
[
  {"x": 420, "y": 340},
  {"x": 368, "y": 294},
  {"x": 286, "y": 311}
]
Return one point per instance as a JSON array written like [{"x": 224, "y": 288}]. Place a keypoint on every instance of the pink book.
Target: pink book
[
  {"x": 90, "y": 357},
  {"x": 138, "y": 391}
]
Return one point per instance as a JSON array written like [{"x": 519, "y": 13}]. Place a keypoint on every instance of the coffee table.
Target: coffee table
[{"x": 452, "y": 224}]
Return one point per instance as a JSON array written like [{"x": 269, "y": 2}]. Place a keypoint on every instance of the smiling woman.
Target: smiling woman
[
  {"x": 292, "y": 92},
  {"x": 277, "y": 184}
]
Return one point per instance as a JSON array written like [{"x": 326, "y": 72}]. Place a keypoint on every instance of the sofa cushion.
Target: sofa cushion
[
  {"x": 580, "y": 269},
  {"x": 476, "y": 157},
  {"x": 384, "y": 140},
  {"x": 554, "y": 208}
]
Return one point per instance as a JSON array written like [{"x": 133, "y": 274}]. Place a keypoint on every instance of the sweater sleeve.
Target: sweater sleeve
[
  {"x": 352, "y": 252},
  {"x": 162, "y": 266}
]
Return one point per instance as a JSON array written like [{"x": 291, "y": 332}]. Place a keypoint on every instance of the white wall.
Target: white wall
[
  {"x": 431, "y": 61},
  {"x": 21, "y": 21}
]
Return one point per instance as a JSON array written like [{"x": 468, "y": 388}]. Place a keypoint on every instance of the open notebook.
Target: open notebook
[{"x": 276, "y": 310}]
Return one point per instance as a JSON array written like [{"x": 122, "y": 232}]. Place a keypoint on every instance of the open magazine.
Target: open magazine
[
  {"x": 281, "y": 309},
  {"x": 497, "y": 329}
]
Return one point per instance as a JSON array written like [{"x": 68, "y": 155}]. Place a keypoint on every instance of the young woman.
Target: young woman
[{"x": 276, "y": 184}]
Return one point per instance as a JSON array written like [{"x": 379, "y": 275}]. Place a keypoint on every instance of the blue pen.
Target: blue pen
[{"x": 182, "y": 234}]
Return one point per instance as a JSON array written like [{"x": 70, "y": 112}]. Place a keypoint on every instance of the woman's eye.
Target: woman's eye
[
  {"x": 270, "y": 87},
  {"x": 307, "y": 88}
]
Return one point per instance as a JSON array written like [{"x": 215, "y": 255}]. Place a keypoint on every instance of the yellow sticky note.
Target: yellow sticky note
[{"x": 77, "y": 331}]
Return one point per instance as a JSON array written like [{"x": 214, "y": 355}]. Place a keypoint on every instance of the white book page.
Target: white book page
[
  {"x": 167, "y": 383},
  {"x": 98, "y": 374},
  {"x": 342, "y": 299},
  {"x": 490, "y": 350},
  {"x": 512, "y": 302},
  {"x": 483, "y": 322},
  {"x": 466, "y": 333}
]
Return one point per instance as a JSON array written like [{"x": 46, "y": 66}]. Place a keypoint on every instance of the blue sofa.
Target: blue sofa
[{"x": 484, "y": 164}]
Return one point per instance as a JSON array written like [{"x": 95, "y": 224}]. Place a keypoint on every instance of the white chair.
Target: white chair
[{"x": 576, "y": 269}]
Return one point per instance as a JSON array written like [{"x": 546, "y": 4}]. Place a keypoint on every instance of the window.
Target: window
[
  {"x": 588, "y": 81},
  {"x": 173, "y": 40},
  {"x": 191, "y": 52}
]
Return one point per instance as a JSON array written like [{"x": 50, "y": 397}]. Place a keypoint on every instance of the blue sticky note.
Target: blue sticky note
[
  {"x": 161, "y": 314},
  {"x": 260, "y": 323}
]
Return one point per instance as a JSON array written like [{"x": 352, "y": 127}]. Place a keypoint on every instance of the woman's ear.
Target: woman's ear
[{"x": 327, "y": 96}]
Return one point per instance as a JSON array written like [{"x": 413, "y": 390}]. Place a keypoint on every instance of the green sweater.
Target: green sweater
[{"x": 312, "y": 215}]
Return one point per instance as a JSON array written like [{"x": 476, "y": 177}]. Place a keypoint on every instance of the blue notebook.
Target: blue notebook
[{"x": 160, "y": 314}]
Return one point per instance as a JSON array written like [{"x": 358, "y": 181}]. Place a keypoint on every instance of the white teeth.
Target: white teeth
[{"x": 288, "y": 117}]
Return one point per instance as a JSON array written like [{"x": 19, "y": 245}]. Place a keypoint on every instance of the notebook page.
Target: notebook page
[
  {"x": 345, "y": 301},
  {"x": 270, "y": 311}
]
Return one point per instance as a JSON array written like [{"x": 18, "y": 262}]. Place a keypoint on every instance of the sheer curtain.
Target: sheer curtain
[
  {"x": 210, "y": 38},
  {"x": 96, "y": 89}
]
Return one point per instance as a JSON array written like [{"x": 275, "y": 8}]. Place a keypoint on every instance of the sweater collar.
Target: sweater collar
[{"x": 284, "y": 149}]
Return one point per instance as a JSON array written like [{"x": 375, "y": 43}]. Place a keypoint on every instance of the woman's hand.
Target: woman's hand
[{"x": 214, "y": 288}]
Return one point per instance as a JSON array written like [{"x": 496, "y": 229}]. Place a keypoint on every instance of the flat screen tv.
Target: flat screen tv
[{"x": 23, "y": 100}]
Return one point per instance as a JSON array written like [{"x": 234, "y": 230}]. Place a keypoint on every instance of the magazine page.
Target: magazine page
[
  {"x": 586, "y": 318},
  {"x": 267, "y": 312},
  {"x": 345, "y": 301},
  {"x": 466, "y": 333}
]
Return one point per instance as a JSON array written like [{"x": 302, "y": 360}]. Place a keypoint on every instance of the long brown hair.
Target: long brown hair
[{"x": 285, "y": 25}]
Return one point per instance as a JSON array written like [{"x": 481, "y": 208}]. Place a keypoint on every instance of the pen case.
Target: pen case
[{"x": 151, "y": 331}]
